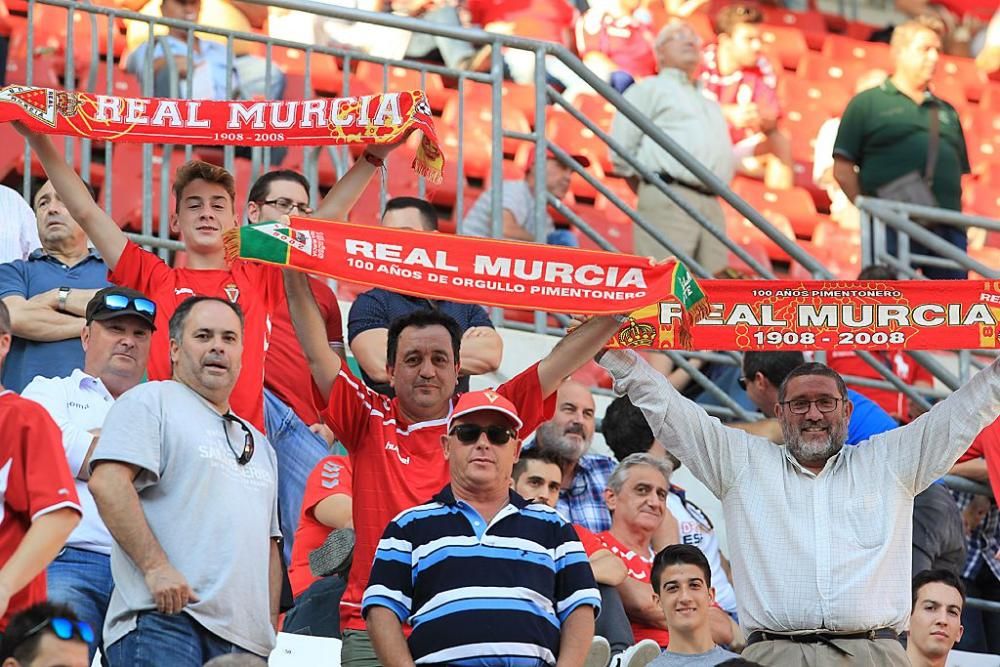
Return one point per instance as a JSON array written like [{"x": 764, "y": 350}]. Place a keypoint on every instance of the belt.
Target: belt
[
  {"x": 670, "y": 180},
  {"x": 821, "y": 637}
]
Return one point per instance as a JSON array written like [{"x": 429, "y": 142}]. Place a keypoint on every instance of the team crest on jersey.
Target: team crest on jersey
[{"x": 232, "y": 292}]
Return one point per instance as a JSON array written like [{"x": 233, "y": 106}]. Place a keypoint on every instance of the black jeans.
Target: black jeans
[{"x": 613, "y": 623}]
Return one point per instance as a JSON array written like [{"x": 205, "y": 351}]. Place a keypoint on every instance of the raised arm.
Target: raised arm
[
  {"x": 482, "y": 349},
  {"x": 107, "y": 237},
  {"x": 346, "y": 192},
  {"x": 310, "y": 329},
  {"x": 574, "y": 350},
  {"x": 715, "y": 454},
  {"x": 111, "y": 484}
]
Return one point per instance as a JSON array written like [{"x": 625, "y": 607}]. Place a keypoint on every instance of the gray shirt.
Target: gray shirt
[
  {"x": 707, "y": 659},
  {"x": 213, "y": 517},
  {"x": 518, "y": 199}
]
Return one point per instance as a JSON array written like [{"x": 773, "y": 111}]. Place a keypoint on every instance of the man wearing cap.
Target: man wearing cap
[
  {"x": 445, "y": 568},
  {"x": 119, "y": 325},
  {"x": 519, "y": 222},
  {"x": 188, "y": 491}
]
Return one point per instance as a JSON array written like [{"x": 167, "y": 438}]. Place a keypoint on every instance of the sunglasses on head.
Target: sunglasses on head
[
  {"x": 121, "y": 302},
  {"x": 248, "y": 445},
  {"x": 469, "y": 433},
  {"x": 63, "y": 628}
]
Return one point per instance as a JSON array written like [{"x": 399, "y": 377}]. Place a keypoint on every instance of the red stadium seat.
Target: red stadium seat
[
  {"x": 795, "y": 204},
  {"x": 324, "y": 71},
  {"x": 844, "y": 262},
  {"x": 984, "y": 199},
  {"x": 478, "y": 124},
  {"x": 803, "y": 124},
  {"x": 564, "y": 130},
  {"x": 844, "y": 49},
  {"x": 987, "y": 255},
  {"x": 744, "y": 232},
  {"x": 379, "y": 79},
  {"x": 805, "y": 96},
  {"x": 597, "y": 109},
  {"x": 610, "y": 222},
  {"x": 593, "y": 375},
  {"x": 951, "y": 91},
  {"x": 811, "y": 23},
  {"x": 756, "y": 251},
  {"x": 965, "y": 75},
  {"x": 787, "y": 43},
  {"x": 825, "y": 71},
  {"x": 991, "y": 97}
]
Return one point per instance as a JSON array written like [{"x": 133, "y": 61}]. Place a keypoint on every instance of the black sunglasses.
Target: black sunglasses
[
  {"x": 247, "y": 454},
  {"x": 121, "y": 302},
  {"x": 63, "y": 628},
  {"x": 469, "y": 433}
]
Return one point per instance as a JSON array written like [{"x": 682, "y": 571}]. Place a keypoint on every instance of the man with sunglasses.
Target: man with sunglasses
[
  {"x": 822, "y": 572},
  {"x": 45, "y": 635},
  {"x": 443, "y": 568},
  {"x": 39, "y": 507},
  {"x": 116, "y": 342},
  {"x": 188, "y": 491},
  {"x": 394, "y": 443}
]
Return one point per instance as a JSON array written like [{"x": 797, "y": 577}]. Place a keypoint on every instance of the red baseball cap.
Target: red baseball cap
[{"x": 477, "y": 401}]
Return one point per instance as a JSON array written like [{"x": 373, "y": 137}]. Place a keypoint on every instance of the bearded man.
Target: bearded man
[
  {"x": 585, "y": 476},
  {"x": 822, "y": 575}
]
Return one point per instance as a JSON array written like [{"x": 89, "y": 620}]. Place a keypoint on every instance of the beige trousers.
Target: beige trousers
[
  {"x": 863, "y": 653},
  {"x": 687, "y": 235}
]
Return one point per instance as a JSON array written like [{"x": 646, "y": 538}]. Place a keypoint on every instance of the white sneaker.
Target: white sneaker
[
  {"x": 637, "y": 655},
  {"x": 600, "y": 653}
]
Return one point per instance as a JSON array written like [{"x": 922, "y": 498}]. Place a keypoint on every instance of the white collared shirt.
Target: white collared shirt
[
  {"x": 78, "y": 404},
  {"x": 814, "y": 552},
  {"x": 18, "y": 229}
]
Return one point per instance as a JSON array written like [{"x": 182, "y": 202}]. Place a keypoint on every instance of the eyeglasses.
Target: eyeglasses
[
  {"x": 469, "y": 433},
  {"x": 286, "y": 205},
  {"x": 247, "y": 454},
  {"x": 63, "y": 628},
  {"x": 121, "y": 302},
  {"x": 800, "y": 406}
]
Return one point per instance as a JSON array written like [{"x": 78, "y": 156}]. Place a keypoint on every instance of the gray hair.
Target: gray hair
[{"x": 618, "y": 477}]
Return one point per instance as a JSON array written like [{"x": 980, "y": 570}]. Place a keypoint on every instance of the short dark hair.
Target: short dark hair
[
  {"x": 625, "y": 429},
  {"x": 421, "y": 319},
  {"x": 177, "y": 320},
  {"x": 878, "y": 272},
  {"x": 679, "y": 554},
  {"x": 775, "y": 366},
  {"x": 942, "y": 576},
  {"x": 739, "y": 662},
  {"x": 813, "y": 368},
  {"x": 262, "y": 186},
  {"x": 428, "y": 214},
  {"x": 4, "y": 318},
  {"x": 733, "y": 15},
  {"x": 197, "y": 170},
  {"x": 535, "y": 454},
  {"x": 17, "y": 645}
]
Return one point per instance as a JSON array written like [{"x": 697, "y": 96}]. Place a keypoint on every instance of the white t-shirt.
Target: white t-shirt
[
  {"x": 78, "y": 404},
  {"x": 695, "y": 530},
  {"x": 18, "y": 227},
  {"x": 213, "y": 517}
]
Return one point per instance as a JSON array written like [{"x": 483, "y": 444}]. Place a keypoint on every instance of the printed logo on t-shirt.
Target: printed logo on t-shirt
[
  {"x": 331, "y": 475},
  {"x": 223, "y": 460},
  {"x": 691, "y": 533},
  {"x": 393, "y": 447},
  {"x": 183, "y": 290}
]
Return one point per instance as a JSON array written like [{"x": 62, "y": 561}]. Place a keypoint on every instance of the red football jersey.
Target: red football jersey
[
  {"x": 257, "y": 289},
  {"x": 330, "y": 477},
  {"x": 34, "y": 480},
  {"x": 640, "y": 568}
]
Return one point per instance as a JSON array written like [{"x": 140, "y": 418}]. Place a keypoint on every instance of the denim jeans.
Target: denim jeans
[
  {"x": 82, "y": 580},
  {"x": 317, "y": 609},
  {"x": 167, "y": 639},
  {"x": 298, "y": 451},
  {"x": 953, "y": 235}
]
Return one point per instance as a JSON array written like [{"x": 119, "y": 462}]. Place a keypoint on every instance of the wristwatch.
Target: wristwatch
[{"x": 63, "y": 296}]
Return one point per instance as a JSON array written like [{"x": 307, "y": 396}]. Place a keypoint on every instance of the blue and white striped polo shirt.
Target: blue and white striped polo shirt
[{"x": 481, "y": 594}]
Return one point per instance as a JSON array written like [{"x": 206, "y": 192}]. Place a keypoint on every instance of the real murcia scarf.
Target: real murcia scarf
[
  {"x": 370, "y": 119},
  {"x": 664, "y": 299},
  {"x": 488, "y": 272}
]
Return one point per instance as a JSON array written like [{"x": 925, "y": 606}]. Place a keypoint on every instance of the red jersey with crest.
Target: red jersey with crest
[
  {"x": 34, "y": 480},
  {"x": 397, "y": 465},
  {"x": 330, "y": 477},
  {"x": 640, "y": 568},
  {"x": 255, "y": 287}
]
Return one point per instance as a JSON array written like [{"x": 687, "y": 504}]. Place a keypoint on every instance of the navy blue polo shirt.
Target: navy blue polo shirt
[
  {"x": 377, "y": 308},
  {"x": 27, "y": 278}
]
